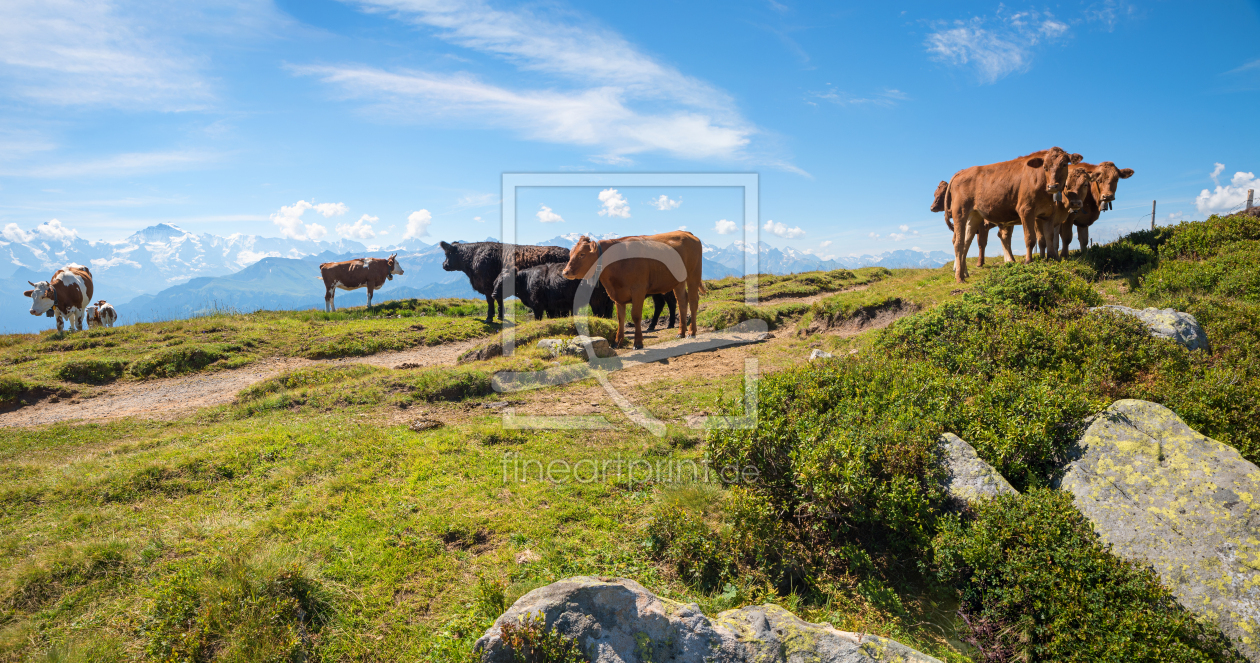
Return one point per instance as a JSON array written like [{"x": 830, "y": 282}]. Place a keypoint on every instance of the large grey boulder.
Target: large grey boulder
[
  {"x": 1189, "y": 506},
  {"x": 615, "y": 620},
  {"x": 577, "y": 347},
  {"x": 1167, "y": 323},
  {"x": 970, "y": 478}
]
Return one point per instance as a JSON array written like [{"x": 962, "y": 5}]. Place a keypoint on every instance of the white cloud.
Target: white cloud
[
  {"x": 825, "y": 244},
  {"x": 780, "y": 230},
  {"x": 604, "y": 94},
  {"x": 86, "y": 52},
  {"x": 289, "y": 219},
  {"x": 994, "y": 47},
  {"x": 886, "y": 99},
  {"x": 1216, "y": 172},
  {"x": 476, "y": 200},
  {"x": 119, "y": 165},
  {"x": 903, "y": 228},
  {"x": 245, "y": 258},
  {"x": 724, "y": 227},
  {"x": 545, "y": 215},
  {"x": 362, "y": 229},
  {"x": 418, "y": 224},
  {"x": 873, "y": 235},
  {"x": 905, "y": 232},
  {"x": 478, "y": 219},
  {"x": 106, "y": 263},
  {"x": 1229, "y": 197},
  {"x": 682, "y": 227},
  {"x": 614, "y": 204},
  {"x": 664, "y": 204},
  {"x": 52, "y": 231}
]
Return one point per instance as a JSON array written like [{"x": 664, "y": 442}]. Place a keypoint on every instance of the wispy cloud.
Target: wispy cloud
[
  {"x": 545, "y": 215},
  {"x": 664, "y": 203},
  {"x": 888, "y": 98},
  {"x": 82, "y": 52},
  {"x": 611, "y": 97},
  {"x": 131, "y": 163},
  {"x": 781, "y": 230},
  {"x": 995, "y": 46},
  {"x": 473, "y": 200}
]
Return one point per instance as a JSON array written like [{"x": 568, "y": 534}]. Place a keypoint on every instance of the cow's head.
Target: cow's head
[
  {"x": 1106, "y": 178},
  {"x": 582, "y": 258},
  {"x": 938, "y": 198},
  {"x": 394, "y": 267},
  {"x": 1055, "y": 162},
  {"x": 1077, "y": 187},
  {"x": 454, "y": 258},
  {"x": 42, "y": 297}
]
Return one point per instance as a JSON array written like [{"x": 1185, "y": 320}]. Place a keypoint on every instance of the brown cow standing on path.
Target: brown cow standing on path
[
  {"x": 370, "y": 273},
  {"x": 1106, "y": 177},
  {"x": 1017, "y": 191},
  {"x": 631, "y": 268},
  {"x": 65, "y": 295}
]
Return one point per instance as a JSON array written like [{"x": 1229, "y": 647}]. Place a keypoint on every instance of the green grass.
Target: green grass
[{"x": 52, "y": 362}]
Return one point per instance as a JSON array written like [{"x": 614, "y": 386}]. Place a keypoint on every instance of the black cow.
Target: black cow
[
  {"x": 545, "y": 291},
  {"x": 483, "y": 262}
]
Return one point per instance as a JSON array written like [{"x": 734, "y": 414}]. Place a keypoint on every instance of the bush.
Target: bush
[
  {"x": 11, "y": 389},
  {"x": 1233, "y": 271},
  {"x": 1036, "y": 584},
  {"x": 1040, "y": 285},
  {"x": 531, "y": 642},
  {"x": 446, "y": 384},
  {"x": 722, "y": 315},
  {"x": 233, "y": 609},
  {"x": 1203, "y": 239},
  {"x": 96, "y": 371},
  {"x": 1120, "y": 256},
  {"x": 181, "y": 359}
]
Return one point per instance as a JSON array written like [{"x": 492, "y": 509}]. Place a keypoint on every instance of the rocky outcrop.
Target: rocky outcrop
[
  {"x": 1189, "y": 506},
  {"x": 1167, "y": 323},
  {"x": 970, "y": 477},
  {"x": 577, "y": 347},
  {"x": 614, "y": 620}
]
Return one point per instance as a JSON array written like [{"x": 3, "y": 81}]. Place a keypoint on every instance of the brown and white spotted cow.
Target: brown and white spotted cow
[
  {"x": 65, "y": 295},
  {"x": 370, "y": 273},
  {"x": 101, "y": 314}
]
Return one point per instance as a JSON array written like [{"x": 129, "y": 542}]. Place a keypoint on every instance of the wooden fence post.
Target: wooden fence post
[
  {"x": 1152, "y": 215},
  {"x": 1250, "y": 195}
]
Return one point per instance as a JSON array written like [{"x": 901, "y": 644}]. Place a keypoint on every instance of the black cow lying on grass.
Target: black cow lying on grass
[
  {"x": 545, "y": 291},
  {"x": 483, "y": 262}
]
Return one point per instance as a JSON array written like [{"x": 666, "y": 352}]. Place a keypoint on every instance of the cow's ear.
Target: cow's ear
[
  {"x": 1035, "y": 162},
  {"x": 445, "y": 246},
  {"x": 1126, "y": 173},
  {"x": 1075, "y": 158},
  {"x": 28, "y": 293}
]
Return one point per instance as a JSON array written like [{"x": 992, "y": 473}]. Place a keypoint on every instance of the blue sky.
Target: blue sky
[{"x": 376, "y": 118}]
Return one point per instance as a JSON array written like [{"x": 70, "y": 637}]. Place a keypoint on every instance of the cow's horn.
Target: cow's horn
[{"x": 33, "y": 285}]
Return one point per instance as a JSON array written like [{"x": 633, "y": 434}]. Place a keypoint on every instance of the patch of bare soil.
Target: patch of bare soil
[
  {"x": 864, "y": 320},
  {"x": 169, "y": 398}
]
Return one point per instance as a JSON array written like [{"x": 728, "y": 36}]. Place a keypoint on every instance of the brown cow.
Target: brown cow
[
  {"x": 101, "y": 314},
  {"x": 1017, "y": 191},
  {"x": 1106, "y": 178},
  {"x": 370, "y": 273},
  {"x": 65, "y": 295},
  {"x": 631, "y": 268},
  {"x": 1075, "y": 192}
]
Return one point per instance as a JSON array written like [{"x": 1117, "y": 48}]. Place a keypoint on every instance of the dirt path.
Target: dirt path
[{"x": 168, "y": 398}]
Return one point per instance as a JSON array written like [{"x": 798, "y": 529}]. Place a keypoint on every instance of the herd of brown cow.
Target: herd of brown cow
[{"x": 1047, "y": 192}]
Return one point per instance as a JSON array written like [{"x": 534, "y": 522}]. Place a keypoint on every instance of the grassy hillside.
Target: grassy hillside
[{"x": 309, "y": 521}]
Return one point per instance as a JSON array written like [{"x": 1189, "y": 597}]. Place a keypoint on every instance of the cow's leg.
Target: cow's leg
[
  {"x": 1050, "y": 231},
  {"x": 369, "y": 304},
  {"x": 621, "y": 324},
  {"x": 1005, "y": 233},
  {"x": 1028, "y": 221},
  {"x": 963, "y": 233},
  {"x": 692, "y": 300},
  {"x": 982, "y": 240},
  {"x": 636, "y": 314},
  {"x": 1083, "y": 232},
  {"x": 328, "y": 299},
  {"x": 539, "y": 313},
  {"x": 61, "y": 324},
  {"x": 1065, "y": 234},
  {"x": 672, "y": 304},
  {"x": 490, "y": 308},
  {"x": 658, "y": 303},
  {"x": 680, "y": 295}
]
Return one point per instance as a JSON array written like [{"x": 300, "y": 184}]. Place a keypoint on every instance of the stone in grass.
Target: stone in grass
[
  {"x": 551, "y": 346},
  {"x": 970, "y": 478},
  {"x": 1167, "y": 323},
  {"x": 578, "y": 344},
  {"x": 1166, "y": 496},
  {"x": 424, "y": 423},
  {"x": 615, "y": 620},
  {"x": 819, "y": 354}
]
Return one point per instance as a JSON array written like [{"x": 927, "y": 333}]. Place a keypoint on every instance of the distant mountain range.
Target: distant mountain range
[{"x": 165, "y": 272}]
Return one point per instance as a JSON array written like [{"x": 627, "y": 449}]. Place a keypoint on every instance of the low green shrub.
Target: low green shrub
[
  {"x": 235, "y": 609},
  {"x": 722, "y": 315},
  {"x": 1040, "y": 285},
  {"x": 1203, "y": 239},
  {"x": 445, "y": 384},
  {"x": 96, "y": 371},
  {"x": 315, "y": 376},
  {"x": 531, "y": 642},
  {"x": 181, "y": 359},
  {"x": 1036, "y": 584},
  {"x": 11, "y": 389},
  {"x": 1232, "y": 271},
  {"x": 1120, "y": 256},
  {"x": 35, "y": 582}
]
